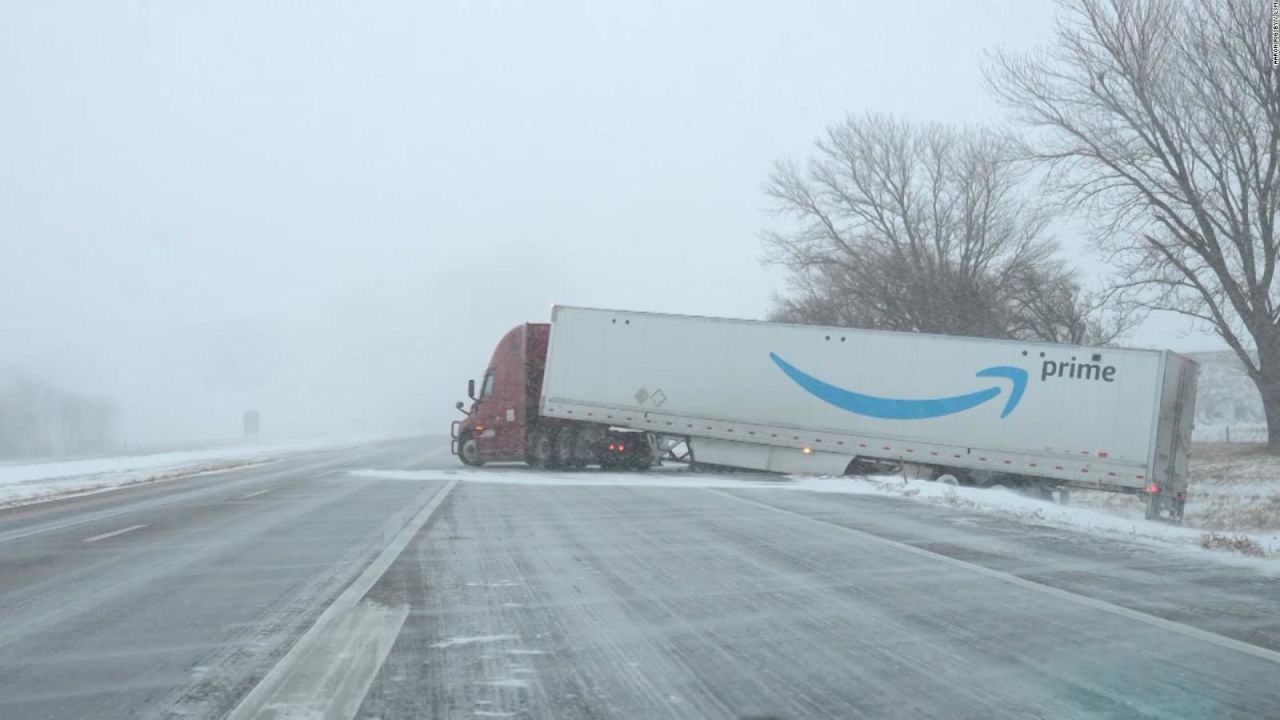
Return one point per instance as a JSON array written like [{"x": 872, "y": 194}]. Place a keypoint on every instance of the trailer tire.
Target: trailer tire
[
  {"x": 566, "y": 450},
  {"x": 947, "y": 479},
  {"x": 640, "y": 463},
  {"x": 542, "y": 449},
  {"x": 468, "y": 451},
  {"x": 589, "y": 442}
]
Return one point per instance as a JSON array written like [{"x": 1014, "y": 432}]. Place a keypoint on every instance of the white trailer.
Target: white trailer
[{"x": 810, "y": 399}]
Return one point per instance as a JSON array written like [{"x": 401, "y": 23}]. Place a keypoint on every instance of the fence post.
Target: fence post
[{"x": 1228, "y": 433}]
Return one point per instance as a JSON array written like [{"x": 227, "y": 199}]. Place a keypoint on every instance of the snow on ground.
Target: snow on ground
[
  {"x": 1234, "y": 433},
  {"x": 22, "y": 483},
  {"x": 1011, "y": 503},
  {"x": 1234, "y": 487},
  {"x": 1007, "y": 503}
]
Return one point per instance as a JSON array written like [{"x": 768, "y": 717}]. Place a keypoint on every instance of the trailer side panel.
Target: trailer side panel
[{"x": 1063, "y": 412}]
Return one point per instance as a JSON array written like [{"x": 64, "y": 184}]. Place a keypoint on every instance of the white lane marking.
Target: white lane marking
[
  {"x": 333, "y": 678},
  {"x": 255, "y": 494},
  {"x": 1124, "y": 612},
  {"x": 304, "y": 671},
  {"x": 473, "y": 640},
  {"x": 508, "y": 683},
  {"x": 114, "y": 533}
]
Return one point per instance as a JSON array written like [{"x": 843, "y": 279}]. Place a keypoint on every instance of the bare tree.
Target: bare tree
[
  {"x": 37, "y": 420},
  {"x": 1162, "y": 119},
  {"x": 920, "y": 228},
  {"x": 1047, "y": 302}
]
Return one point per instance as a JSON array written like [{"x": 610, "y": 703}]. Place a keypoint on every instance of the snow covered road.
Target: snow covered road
[
  {"x": 172, "y": 599},
  {"x": 423, "y": 589},
  {"x": 537, "y": 599}
]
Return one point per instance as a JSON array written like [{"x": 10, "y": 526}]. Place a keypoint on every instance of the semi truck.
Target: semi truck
[{"x": 614, "y": 388}]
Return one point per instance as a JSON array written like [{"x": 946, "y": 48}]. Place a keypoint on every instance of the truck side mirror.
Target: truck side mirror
[
  {"x": 460, "y": 408},
  {"x": 471, "y": 389}
]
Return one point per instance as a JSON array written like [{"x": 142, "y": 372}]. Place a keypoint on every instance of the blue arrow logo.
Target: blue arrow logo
[{"x": 905, "y": 409}]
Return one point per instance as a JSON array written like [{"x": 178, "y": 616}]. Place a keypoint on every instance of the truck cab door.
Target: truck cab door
[
  {"x": 484, "y": 418},
  {"x": 500, "y": 411},
  {"x": 499, "y": 416}
]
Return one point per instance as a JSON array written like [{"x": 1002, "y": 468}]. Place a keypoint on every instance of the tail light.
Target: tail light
[{"x": 1153, "y": 489}]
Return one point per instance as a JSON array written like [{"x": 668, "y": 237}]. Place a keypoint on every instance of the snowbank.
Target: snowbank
[
  {"x": 1012, "y": 504},
  {"x": 34, "y": 482},
  {"x": 1008, "y": 503}
]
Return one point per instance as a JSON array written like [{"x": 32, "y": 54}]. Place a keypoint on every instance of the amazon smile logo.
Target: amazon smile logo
[{"x": 910, "y": 409}]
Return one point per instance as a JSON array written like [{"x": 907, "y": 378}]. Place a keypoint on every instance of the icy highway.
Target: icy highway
[{"x": 425, "y": 590}]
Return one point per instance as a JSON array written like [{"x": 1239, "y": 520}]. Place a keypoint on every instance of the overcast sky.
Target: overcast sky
[{"x": 332, "y": 211}]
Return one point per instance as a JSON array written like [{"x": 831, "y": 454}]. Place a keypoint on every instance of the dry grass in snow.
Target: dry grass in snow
[
  {"x": 1242, "y": 544},
  {"x": 1234, "y": 487}
]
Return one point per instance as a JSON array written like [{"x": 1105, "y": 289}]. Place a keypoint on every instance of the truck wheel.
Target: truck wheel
[
  {"x": 566, "y": 451},
  {"x": 542, "y": 452},
  {"x": 640, "y": 463},
  {"x": 469, "y": 452},
  {"x": 590, "y": 439}
]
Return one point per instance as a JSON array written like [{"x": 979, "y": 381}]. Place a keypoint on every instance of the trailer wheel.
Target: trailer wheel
[
  {"x": 468, "y": 451},
  {"x": 542, "y": 451},
  {"x": 589, "y": 441},
  {"x": 947, "y": 479},
  {"x": 566, "y": 451},
  {"x": 640, "y": 463}
]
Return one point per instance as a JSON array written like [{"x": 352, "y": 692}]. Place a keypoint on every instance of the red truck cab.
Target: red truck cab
[{"x": 499, "y": 425}]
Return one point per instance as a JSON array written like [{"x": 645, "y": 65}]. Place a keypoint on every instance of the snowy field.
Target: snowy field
[
  {"x": 1234, "y": 488},
  {"x": 23, "y": 483},
  {"x": 1232, "y": 433}
]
